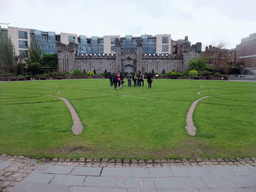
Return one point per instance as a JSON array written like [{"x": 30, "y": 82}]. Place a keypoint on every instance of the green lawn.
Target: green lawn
[{"x": 129, "y": 123}]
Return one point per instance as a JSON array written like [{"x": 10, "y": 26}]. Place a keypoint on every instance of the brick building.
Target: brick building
[{"x": 217, "y": 56}]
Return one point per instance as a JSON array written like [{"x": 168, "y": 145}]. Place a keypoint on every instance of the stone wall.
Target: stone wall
[{"x": 70, "y": 61}]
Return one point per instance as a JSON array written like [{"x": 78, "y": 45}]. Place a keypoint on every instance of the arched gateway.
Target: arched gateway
[{"x": 129, "y": 69}]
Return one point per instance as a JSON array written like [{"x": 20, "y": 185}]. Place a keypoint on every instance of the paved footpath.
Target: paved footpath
[{"x": 20, "y": 174}]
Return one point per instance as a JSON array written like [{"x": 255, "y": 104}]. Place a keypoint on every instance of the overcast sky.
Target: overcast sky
[{"x": 206, "y": 21}]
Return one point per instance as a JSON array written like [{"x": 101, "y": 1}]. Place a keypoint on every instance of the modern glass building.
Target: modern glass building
[{"x": 21, "y": 37}]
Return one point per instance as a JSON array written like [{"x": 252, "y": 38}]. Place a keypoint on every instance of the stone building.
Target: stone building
[{"x": 126, "y": 59}]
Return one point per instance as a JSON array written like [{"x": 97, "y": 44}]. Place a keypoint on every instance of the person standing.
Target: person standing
[
  {"x": 118, "y": 78},
  {"x": 129, "y": 77},
  {"x": 115, "y": 81},
  {"x": 142, "y": 78},
  {"x": 135, "y": 79},
  {"x": 150, "y": 79},
  {"x": 139, "y": 78},
  {"x": 111, "y": 79},
  {"x": 121, "y": 80}
]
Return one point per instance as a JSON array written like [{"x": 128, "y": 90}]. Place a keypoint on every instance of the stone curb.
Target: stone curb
[
  {"x": 105, "y": 161},
  {"x": 20, "y": 167}
]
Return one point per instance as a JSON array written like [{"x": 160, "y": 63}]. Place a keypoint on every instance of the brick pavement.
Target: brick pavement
[{"x": 24, "y": 174}]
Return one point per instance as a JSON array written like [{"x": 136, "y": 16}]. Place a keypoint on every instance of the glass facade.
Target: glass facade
[
  {"x": 149, "y": 45},
  {"x": 23, "y": 35},
  {"x": 93, "y": 45},
  {"x": 71, "y": 39},
  {"x": 47, "y": 41},
  {"x": 113, "y": 41},
  {"x": 90, "y": 46},
  {"x": 82, "y": 44}
]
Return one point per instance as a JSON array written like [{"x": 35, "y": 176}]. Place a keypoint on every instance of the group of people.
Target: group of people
[{"x": 137, "y": 78}]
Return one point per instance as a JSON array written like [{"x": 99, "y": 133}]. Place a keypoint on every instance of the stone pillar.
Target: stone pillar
[
  {"x": 139, "y": 44},
  {"x": 118, "y": 55}
]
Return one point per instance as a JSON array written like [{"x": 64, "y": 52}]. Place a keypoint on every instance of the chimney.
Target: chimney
[
  {"x": 210, "y": 46},
  {"x": 178, "y": 49},
  {"x": 206, "y": 48},
  {"x": 186, "y": 38}
]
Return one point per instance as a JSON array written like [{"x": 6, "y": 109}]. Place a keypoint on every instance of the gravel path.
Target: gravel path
[
  {"x": 77, "y": 127},
  {"x": 191, "y": 129}
]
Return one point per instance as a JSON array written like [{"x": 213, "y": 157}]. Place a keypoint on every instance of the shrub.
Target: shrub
[
  {"x": 34, "y": 68},
  {"x": 77, "y": 72},
  {"x": 90, "y": 73},
  {"x": 106, "y": 75},
  {"x": 46, "y": 74},
  {"x": 171, "y": 73},
  {"x": 205, "y": 73},
  {"x": 179, "y": 74},
  {"x": 193, "y": 73},
  {"x": 49, "y": 60},
  {"x": 216, "y": 75},
  {"x": 235, "y": 70},
  {"x": 20, "y": 68}
]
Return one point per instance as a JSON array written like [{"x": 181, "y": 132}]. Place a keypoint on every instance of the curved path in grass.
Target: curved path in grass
[
  {"x": 191, "y": 129},
  {"x": 77, "y": 127}
]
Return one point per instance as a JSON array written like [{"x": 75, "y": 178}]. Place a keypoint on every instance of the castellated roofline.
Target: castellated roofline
[
  {"x": 96, "y": 56},
  {"x": 165, "y": 56},
  {"x": 71, "y": 47}
]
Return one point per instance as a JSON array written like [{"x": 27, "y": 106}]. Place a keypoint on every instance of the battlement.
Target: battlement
[
  {"x": 95, "y": 56},
  {"x": 71, "y": 47},
  {"x": 162, "y": 56}
]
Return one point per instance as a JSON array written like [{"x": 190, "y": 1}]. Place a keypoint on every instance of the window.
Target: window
[
  {"x": 113, "y": 49},
  {"x": 51, "y": 37},
  {"x": 164, "y": 40},
  {"x": 113, "y": 40},
  {"x": 23, "y": 34},
  {"x": 100, "y": 49},
  {"x": 23, "y": 44},
  {"x": 100, "y": 42},
  {"x": 23, "y": 53},
  {"x": 45, "y": 38},
  {"x": 71, "y": 39},
  {"x": 57, "y": 38},
  {"x": 94, "y": 40},
  {"x": 165, "y": 48}
]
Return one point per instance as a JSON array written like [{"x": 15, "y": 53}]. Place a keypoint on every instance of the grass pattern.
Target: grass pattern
[{"x": 135, "y": 122}]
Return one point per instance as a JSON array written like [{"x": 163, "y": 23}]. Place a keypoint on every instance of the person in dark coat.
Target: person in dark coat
[
  {"x": 129, "y": 77},
  {"x": 121, "y": 80},
  {"x": 111, "y": 79},
  {"x": 134, "y": 78},
  {"x": 115, "y": 80},
  {"x": 149, "y": 79},
  {"x": 139, "y": 78}
]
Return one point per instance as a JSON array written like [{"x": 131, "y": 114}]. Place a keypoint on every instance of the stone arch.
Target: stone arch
[{"x": 129, "y": 68}]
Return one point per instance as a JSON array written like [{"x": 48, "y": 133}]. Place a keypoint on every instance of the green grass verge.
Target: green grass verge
[{"x": 138, "y": 123}]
